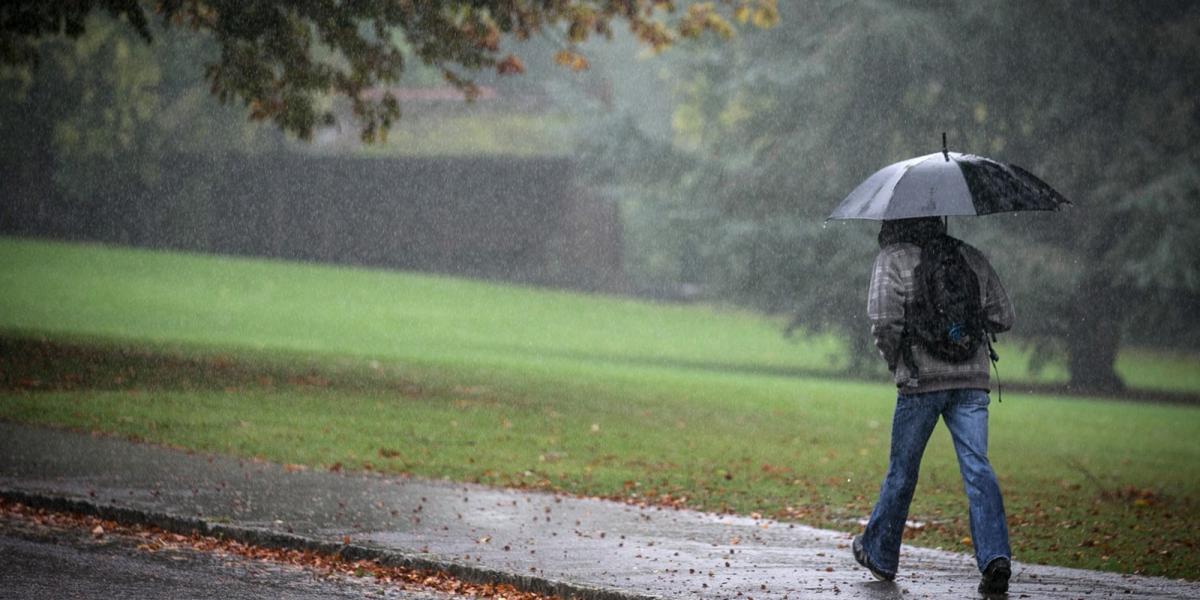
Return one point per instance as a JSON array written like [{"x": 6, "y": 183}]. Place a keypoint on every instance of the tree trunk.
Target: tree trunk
[
  {"x": 864, "y": 358},
  {"x": 1093, "y": 340}
]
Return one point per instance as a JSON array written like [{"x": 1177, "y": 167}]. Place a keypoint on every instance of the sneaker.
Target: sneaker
[
  {"x": 860, "y": 555},
  {"x": 995, "y": 577}
]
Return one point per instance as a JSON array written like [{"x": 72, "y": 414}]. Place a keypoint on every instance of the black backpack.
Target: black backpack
[{"x": 946, "y": 314}]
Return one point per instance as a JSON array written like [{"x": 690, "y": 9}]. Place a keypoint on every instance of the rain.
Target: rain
[{"x": 486, "y": 291}]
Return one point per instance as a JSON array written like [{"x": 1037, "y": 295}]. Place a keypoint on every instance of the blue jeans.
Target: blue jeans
[{"x": 966, "y": 415}]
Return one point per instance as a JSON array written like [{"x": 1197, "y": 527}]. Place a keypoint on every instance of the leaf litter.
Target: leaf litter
[{"x": 153, "y": 539}]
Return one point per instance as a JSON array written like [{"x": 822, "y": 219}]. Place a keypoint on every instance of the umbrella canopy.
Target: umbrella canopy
[{"x": 947, "y": 184}]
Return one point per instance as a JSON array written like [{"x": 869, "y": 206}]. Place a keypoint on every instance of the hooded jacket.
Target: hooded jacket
[{"x": 888, "y": 300}]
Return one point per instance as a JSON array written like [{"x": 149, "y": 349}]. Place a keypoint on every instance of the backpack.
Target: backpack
[{"x": 946, "y": 314}]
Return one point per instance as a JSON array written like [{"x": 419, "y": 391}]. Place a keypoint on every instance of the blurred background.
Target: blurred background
[{"x": 701, "y": 173}]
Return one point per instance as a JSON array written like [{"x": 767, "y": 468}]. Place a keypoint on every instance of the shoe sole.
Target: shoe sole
[
  {"x": 998, "y": 584},
  {"x": 860, "y": 556}
]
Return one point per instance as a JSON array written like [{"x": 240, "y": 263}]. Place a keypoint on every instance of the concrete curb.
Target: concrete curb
[{"x": 288, "y": 541}]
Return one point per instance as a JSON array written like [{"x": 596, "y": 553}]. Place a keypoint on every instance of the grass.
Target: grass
[{"x": 598, "y": 396}]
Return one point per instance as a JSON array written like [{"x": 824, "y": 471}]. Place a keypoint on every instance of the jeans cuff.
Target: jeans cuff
[{"x": 989, "y": 561}]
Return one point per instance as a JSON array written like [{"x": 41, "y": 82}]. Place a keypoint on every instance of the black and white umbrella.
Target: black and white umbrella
[{"x": 946, "y": 184}]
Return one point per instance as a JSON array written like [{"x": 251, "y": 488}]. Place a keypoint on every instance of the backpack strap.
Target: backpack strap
[{"x": 991, "y": 337}]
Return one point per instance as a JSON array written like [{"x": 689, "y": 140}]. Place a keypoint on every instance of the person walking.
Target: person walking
[{"x": 935, "y": 379}]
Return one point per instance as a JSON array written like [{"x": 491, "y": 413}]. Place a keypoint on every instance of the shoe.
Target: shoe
[
  {"x": 860, "y": 555},
  {"x": 995, "y": 577}
]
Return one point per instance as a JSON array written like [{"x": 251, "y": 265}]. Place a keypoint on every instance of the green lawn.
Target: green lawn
[{"x": 604, "y": 396}]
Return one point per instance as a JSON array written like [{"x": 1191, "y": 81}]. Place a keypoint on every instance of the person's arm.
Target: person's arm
[
  {"x": 885, "y": 307},
  {"x": 996, "y": 305}
]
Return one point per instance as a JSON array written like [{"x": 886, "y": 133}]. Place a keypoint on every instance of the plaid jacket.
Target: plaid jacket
[{"x": 887, "y": 302}]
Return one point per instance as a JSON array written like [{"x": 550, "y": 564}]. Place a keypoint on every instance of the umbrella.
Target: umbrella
[{"x": 947, "y": 184}]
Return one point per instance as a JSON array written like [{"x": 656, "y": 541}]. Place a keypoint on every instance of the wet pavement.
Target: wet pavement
[{"x": 579, "y": 547}]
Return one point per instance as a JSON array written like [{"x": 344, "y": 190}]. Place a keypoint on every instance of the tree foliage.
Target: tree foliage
[
  {"x": 280, "y": 58},
  {"x": 772, "y": 130}
]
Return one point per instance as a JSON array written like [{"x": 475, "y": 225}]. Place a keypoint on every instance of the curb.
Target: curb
[{"x": 288, "y": 541}]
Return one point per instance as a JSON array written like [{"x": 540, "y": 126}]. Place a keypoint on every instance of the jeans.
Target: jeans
[{"x": 966, "y": 415}]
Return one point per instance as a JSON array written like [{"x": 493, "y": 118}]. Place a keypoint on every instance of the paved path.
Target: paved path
[{"x": 579, "y": 547}]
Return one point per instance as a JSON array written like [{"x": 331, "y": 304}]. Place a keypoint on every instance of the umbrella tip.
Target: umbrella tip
[{"x": 945, "y": 152}]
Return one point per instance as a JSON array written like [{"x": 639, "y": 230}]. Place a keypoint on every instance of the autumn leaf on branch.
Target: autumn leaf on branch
[
  {"x": 511, "y": 65},
  {"x": 572, "y": 60},
  {"x": 281, "y": 59}
]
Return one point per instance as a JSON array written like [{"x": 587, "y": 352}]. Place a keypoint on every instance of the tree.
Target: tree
[
  {"x": 772, "y": 130},
  {"x": 279, "y": 58},
  {"x": 1103, "y": 100},
  {"x": 105, "y": 115}
]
